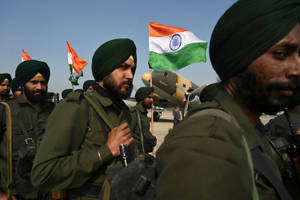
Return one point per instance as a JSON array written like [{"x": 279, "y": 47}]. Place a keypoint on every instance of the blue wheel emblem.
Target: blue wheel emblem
[{"x": 175, "y": 42}]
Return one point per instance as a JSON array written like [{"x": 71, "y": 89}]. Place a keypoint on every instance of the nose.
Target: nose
[
  {"x": 294, "y": 69},
  {"x": 39, "y": 86},
  {"x": 129, "y": 74}
]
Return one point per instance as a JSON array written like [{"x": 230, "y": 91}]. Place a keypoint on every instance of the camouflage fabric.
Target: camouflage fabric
[
  {"x": 204, "y": 157},
  {"x": 68, "y": 158},
  {"x": 24, "y": 118}
]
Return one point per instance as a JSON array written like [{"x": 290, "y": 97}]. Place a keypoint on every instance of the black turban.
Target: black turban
[
  {"x": 14, "y": 85},
  {"x": 87, "y": 84},
  {"x": 247, "y": 30},
  {"x": 65, "y": 93},
  {"x": 110, "y": 55},
  {"x": 142, "y": 93},
  {"x": 5, "y": 76},
  {"x": 29, "y": 68}
]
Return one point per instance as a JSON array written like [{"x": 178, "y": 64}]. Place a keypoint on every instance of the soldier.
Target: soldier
[
  {"x": 84, "y": 132},
  {"x": 88, "y": 85},
  {"x": 218, "y": 152},
  {"x": 29, "y": 112},
  {"x": 5, "y": 80},
  {"x": 140, "y": 122}
]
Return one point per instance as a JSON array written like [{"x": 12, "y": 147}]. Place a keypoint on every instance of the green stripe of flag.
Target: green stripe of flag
[{"x": 191, "y": 53}]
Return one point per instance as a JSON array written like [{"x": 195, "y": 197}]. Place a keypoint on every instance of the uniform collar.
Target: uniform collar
[
  {"x": 142, "y": 110},
  {"x": 44, "y": 106}
]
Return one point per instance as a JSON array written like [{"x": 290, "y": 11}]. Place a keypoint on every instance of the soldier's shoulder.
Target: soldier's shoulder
[{"x": 74, "y": 97}]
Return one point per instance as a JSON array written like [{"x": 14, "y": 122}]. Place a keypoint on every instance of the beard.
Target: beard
[
  {"x": 4, "y": 93},
  {"x": 33, "y": 97},
  {"x": 146, "y": 105},
  {"x": 121, "y": 91},
  {"x": 254, "y": 94}
]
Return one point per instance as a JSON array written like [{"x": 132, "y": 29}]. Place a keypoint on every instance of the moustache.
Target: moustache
[
  {"x": 284, "y": 86},
  {"x": 128, "y": 83}
]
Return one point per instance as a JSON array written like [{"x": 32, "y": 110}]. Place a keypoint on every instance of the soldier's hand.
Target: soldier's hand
[
  {"x": 119, "y": 135},
  {"x": 5, "y": 197}
]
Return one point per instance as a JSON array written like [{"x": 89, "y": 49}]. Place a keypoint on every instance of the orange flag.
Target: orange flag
[
  {"x": 77, "y": 63},
  {"x": 25, "y": 56}
]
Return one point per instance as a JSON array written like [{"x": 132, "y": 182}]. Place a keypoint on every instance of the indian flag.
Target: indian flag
[
  {"x": 25, "y": 56},
  {"x": 172, "y": 48},
  {"x": 76, "y": 65}
]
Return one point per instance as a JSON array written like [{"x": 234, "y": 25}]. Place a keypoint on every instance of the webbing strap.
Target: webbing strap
[
  {"x": 223, "y": 115},
  {"x": 9, "y": 148},
  {"x": 262, "y": 165},
  {"x": 99, "y": 110},
  {"x": 140, "y": 127}
]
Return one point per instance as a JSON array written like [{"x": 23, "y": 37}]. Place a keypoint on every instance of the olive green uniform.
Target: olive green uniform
[
  {"x": 26, "y": 123},
  {"x": 73, "y": 155},
  {"x": 145, "y": 125},
  {"x": 205, "y": 157}
]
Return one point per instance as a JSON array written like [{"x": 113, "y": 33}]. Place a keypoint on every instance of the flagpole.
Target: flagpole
[
  {"x": 152, "y": 119},
  {"x": 72, "y": 88}
]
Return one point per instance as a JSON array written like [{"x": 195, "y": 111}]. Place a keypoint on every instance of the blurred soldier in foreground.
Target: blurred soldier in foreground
[
  {"x": 140, "y": 122},
  {"x": 84, "y": 132},
  {"x": 219, "y": 152},
  {"x": 29, "y": 112},
  {"x": 88, "y": 86},
  {"x": 5, "y": 80},
  {"x": 284, "y": 132}
]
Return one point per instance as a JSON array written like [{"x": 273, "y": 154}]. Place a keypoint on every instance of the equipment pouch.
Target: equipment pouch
[{"x": 25, "y": 162}]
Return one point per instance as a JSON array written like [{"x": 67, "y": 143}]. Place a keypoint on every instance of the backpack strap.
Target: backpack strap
[
  {"x": 140, "y": 127},
  {"x": 230, "y": 119},
  {"x": 99, "y": 110}
]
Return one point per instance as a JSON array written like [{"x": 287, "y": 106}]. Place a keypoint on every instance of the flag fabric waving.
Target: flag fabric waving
[
  {"x": 25, "y": 56},
  {"x": 172, "y": 48},
  {"x": 76, "y": 65}
]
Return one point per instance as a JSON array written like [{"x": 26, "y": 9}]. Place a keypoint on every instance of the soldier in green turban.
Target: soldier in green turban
[
  {"x": 5, "y": 81},
  {"x": 88, "y": 85},
  {"x": 29, "y": 112},
  {"x": 220, "y": 151},
  {"x": 140, "y": 122},
  {"x": 85, "y": 131}
]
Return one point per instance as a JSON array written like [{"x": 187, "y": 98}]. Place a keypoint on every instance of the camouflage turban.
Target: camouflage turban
[
  {"x": 5, "y": 76},
  {"x": 142, "y": 93},
  {"x": 110, "y": 55},
  {"x": 87, "y": 84},
  {"x": 247, "y": 30},
  {"x": 30, "y": 68}
]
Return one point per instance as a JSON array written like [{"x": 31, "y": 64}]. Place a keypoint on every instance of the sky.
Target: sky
[{"x": 41, "y": 28}]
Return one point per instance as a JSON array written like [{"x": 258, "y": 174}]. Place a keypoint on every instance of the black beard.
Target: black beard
[
  {"x": 251, "y": 92},
  {"x": 116, "y": 90},
  {"x": 146, "y": 106},
  {"x": 4, "y": 94},
  {"x": 35, "y": 99}
]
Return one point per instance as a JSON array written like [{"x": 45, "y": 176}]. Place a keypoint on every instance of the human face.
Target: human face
[
  {"x": 90, "y": 89},
  {"x": 119, "y": 82},
  {"x": 147, "y": 102},
  {"x": 4, "y": 88},
  {"x": 271, "y": 79},
  {"x": 35, "y": 90}
]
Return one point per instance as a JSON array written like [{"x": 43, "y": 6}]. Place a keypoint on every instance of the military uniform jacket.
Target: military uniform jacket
[
  {"x": 24, "y": 118},
  {"x": 73, "y": 154},
  {"x": 205, "y": 157}
]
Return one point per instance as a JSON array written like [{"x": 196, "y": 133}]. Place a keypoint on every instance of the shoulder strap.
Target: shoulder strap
[
  {"x": 99, "y": 110},
  {"x": 140, "y": 127}
]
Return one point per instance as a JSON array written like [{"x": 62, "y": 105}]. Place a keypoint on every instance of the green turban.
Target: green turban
[
  {"x": 142, "y": 93},
  {"x": 30, "y": 68},
  {"x": 14, "y": 85},
  {"x": 247, "y": 30},
  {"x": 5, "y": 76},
  {"x": 65, "y": 93},
  {"x": 110, "y": 55},
  {"x": 87, "y": 84}
]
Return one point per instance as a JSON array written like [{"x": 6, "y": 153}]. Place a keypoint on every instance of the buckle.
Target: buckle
[{"x": 29, "y": 141}]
